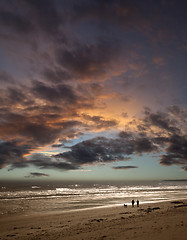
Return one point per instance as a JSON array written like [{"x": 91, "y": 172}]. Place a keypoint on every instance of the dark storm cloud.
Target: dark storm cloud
[
  {"x": 103, "y": 149},
  {"x": 11, "y": 96},
  {"x": 171, "y": 138},
  {"x": 87, "y": 61},
  {"x": 37, "y": 174},
  {"x": 137, "y": 144},
  {"x": 29, "y": 127},
  {"x": 161, "y": 120},
  {"x": 69, "y": 131},
  {"x": 99, "y": 122},
  {"x": 118, "y": 12},
  {"x": 91, "y": 151},
  {"x": 57, "y": 93},
  {"x": 45, "y": 14},
  {"x": 16, "y": 95},
  {"x": 176, "y": 152},
  {"x": 56, "y": 75},
  {"x": 46, "y": 162},
  {"x": 144, "y": 17},
  {"x": 70, "y": 99},
  {"x": 40, "y": 133},
  {"x": 31, "y": 16},
  {"x": 178, "y": 112},
  {"x": 18, "y": 23},
  {"x": 124, "y": 167},
  {"x": 24, "y": 116},
  {"x": 6, "y": 77},
  {"x": 39, "y": 160},
  {"x": 12, "y": 152},
  {"x": 37, "y": 132},
  {"x": 68, "y": 124}
]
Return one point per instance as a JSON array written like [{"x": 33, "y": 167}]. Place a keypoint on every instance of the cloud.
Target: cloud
[
  {"x": 124, "y": 167},
  {"x": 56, "y": 75},
  {"x": 70, "y": 65},
  {"x": 43, "y": 161},
  {"x": 41, "y": 116},
  {"x": 12, "y": 96},
  {"x": 15, "y": 96},
  {"x": 176, "y": 152},
  {"x": 99, "y": 122},
  {"x": 38, "y": 130},
  {"x": 58, "y": 93},
  {"x": 31, "y": 17},
  {"x": 6, "y": 77},
  {"x": 161, "y": 120},
  {"x": 37, "y": 174},
  {"x": 12, "y": 153},
  {"x": 170, "y": 135},
  {"x": 45, "y": 14},
  {"x": 101, "y": 150},
  {"x": 88, "y": 61},
  {"x": 18, "y": 23},
  {"x": 46, "y": 162},
  {"x": 178, "y": 112},
  {"x": 137, "y": 144},
  {"x": 120, "y": 13},
  {"x": 92, "y": 151},
  {"x": 39, "y": 133},
  {"x": 167, "y": 138}
]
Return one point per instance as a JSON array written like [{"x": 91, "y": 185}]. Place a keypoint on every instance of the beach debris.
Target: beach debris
[
  {"x": 155, "y": 208},
  {"x": 177, "y": 202},
  {"x": 183, "y": 205},
  {"x": 151, "y": 209},
  {"x": 35, "y": 227},
  {"x": 97, "y": 220},
  {"x": 141, "y": 209}
]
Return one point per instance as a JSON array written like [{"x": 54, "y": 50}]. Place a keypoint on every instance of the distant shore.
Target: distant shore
[
  {"x": 163, "y": 220},
  {"x": 175, "y": 180}
]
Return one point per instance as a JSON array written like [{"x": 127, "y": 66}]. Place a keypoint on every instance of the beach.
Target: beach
[{"x": 162, "y": 220}]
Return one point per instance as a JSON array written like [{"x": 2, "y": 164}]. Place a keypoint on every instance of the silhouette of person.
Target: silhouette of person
[
  {"x": 133, "y": 203},
  {"x": 137, "y": 203}
]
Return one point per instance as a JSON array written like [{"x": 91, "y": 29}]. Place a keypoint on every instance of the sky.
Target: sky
[{"x": 93, "y": 90}]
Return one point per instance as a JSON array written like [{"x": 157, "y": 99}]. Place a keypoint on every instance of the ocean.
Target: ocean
[{"x": 32, "y": 198}]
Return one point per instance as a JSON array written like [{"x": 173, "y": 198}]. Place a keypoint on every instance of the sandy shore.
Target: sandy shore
[{"x": 166, "y": 220}]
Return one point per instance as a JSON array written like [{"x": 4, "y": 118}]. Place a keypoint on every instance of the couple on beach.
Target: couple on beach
[{"x": 137, "y": 202}]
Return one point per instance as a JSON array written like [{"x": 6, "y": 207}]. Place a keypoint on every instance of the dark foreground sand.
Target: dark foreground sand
[{"x": 166, "y": 220}]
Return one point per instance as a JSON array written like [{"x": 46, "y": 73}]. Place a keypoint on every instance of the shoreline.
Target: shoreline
[
  {"x": 163, "y": 220},
  {"x": 115, "y": 206},
  {"x": 55, "y": 212}
]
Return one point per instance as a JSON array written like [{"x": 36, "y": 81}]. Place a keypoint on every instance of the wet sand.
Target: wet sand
[{"x": 163, "y": 221}]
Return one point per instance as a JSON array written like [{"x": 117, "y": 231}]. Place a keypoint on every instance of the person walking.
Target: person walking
[
  {"x": 133, "y": 203},
  {"x": 138, "y": 203}
]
